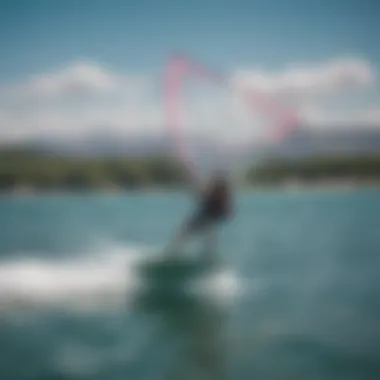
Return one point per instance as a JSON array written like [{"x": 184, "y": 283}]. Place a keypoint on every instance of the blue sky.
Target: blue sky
[
  {"x": 136, "y": 37},
  {"x": 38, "y": 34}
]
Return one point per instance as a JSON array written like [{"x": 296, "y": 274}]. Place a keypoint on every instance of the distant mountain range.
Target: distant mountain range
[
  {"x": 359, "y": 140},
  {"x": 304, "y": 142}
]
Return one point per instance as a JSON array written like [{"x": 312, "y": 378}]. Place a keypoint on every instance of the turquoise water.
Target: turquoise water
[{"x": 297, "y": 295}]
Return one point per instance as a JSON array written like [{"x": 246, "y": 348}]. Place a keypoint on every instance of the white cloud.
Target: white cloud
[
  {"x": 77, "y": 78},
  {"x": 80, "y": 77},
  {"x": 84, "y": 96},
  {"x": 127, "y": 119},
  {"x": 310, "y": 80},
  {"x": 322, "y": 118},
  {"x": 77, "y": 99}
]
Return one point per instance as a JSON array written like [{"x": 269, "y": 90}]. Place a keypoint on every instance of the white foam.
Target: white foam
[
  {"x": 102, "y": 280},
  {"x": 85, "y": 281},
  {"x": 223, "y": 285}
]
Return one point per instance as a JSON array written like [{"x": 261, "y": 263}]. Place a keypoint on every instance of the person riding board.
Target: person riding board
[{"x": 214, "y": 206}]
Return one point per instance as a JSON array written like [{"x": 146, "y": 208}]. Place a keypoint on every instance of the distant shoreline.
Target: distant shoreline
[
  {"x": 28, "y": 173},
  {"x": 249, "y": 188}
]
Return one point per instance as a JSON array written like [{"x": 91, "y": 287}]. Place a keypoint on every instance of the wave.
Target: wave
[{"x": 102, "y": 280}]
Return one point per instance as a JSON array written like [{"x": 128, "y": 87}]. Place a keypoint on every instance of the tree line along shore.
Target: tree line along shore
[{"x": 38, "y": 172}]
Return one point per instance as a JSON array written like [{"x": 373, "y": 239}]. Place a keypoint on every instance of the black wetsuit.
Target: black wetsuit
[{"x": 214, "y": 207}]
